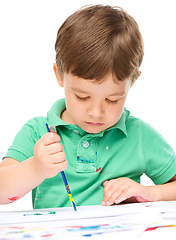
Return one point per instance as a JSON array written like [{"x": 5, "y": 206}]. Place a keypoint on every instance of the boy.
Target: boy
[{"x": 102, "y": 149}]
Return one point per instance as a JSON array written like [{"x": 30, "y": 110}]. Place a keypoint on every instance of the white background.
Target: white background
[{"x": 28, "y": 87}]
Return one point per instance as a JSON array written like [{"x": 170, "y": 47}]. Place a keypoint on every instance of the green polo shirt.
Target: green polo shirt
[{"x": 128, "y": 149}]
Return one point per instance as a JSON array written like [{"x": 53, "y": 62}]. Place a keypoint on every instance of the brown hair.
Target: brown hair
[{"x": 98, "y": 40}]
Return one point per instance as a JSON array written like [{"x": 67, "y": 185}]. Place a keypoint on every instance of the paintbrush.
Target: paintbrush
[{"x": 53, "y": 129}]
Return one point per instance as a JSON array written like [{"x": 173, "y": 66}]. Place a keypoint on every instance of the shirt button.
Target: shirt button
[
  {"x": 75, "y": 131},
  {"x": 85, "y": 144}
]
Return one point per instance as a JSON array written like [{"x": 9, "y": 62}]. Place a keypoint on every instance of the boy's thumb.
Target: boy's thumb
[{"x": 52, "y": 129}]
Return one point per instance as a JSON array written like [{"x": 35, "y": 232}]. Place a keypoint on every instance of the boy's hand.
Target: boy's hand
[
  {"x": 118, "y": 190},
  {"x": 49, "y": 158}
]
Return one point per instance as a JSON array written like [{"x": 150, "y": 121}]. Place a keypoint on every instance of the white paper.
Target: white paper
[
  {"x": 84, "y": 212},
  {"x": 133, "y": 221}
]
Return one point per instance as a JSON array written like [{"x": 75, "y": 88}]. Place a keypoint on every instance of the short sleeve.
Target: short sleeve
[
  {"x": 23, "y": 144},
  {"x": 159, "y": 157}
]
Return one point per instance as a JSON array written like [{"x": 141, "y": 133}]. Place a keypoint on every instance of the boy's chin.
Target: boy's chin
[{"x": 93, "y": 131}]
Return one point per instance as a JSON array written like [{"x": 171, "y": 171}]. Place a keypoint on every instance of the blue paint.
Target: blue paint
[
  {"x": 74, "y": 206},
  {"x": 38, "y": 213},
  {"x": 27, "y": 236},
  {"x": 91, "y": 227},
  {"x": 85, "y": 160},
  {"x": 95, "y": 227},
  {"x": 90, "y": 235}
]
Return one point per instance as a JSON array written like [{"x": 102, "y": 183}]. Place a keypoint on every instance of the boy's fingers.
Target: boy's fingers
[
  {"x": 54, "y": 148},
  {"x": 112, "y": 196},
  {"x": 117, "y": 195},
  {"x": 52, "y": 129},
  {"x": 112, "y": 190},
  {"x": 50, "y": 138},
  {"x": 105, "y": 182},
  {"x": 57, "y": 158},
  {"x": 62, "y": 166},
  {"x": 123, "y": 196},
  {"x": 131, "y": 191},
  {"x": 141, "y": 199},
  {"x": 118, "y": 190},
  {"x": 57, "y": 168}
]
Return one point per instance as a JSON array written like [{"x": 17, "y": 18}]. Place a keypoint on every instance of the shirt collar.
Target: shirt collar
[
  {"x": 121, "y": 124},
  {"x": 55, "y": 119},
  {"x": 59, "y": 106},
  {"x": 55, "y": 113}
]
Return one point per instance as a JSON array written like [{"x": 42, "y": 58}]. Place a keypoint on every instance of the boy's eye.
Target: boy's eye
[
  {"x": 82, "y": 98},
  {"x": 112, "y": 102},
  {"x": 107, "y": 100}
]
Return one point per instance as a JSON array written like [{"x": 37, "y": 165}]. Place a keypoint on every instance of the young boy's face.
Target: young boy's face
[{"x": 93, "y": 106}]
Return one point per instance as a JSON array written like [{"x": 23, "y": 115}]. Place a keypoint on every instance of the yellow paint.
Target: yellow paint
[{"x": 70, "y": 197}]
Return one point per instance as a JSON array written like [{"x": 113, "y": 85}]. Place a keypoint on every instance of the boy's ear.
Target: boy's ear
[
  {"x": 136, "y": 79},
  {"x": 58, "y": 76}
]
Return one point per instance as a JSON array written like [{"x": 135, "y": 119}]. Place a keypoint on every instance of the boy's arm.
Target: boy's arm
[
  {"x": 166, "y": 191},
  {"x": 17, "y": 179},
  {"x": 118, "y": 190}
]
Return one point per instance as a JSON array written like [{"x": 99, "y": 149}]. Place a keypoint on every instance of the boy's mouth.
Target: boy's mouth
[{"x": 94, "y": 124}]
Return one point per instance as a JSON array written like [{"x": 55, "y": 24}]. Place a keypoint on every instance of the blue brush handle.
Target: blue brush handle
[
  {"x": 68, "y": 190},
  {"x": 65, "y": 182}
]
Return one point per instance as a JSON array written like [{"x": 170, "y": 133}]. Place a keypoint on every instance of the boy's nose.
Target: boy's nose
[{"x": 96, "y": 111}]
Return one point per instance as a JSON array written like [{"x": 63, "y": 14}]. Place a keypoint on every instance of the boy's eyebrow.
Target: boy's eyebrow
[
  {"x": 78, "y": 90},
  {"x": 119, "y": 94}
]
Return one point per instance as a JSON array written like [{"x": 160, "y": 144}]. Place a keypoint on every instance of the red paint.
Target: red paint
[
  {"x": 150, "y": 229},
  {"x": 74, "y": 226},
  {"x": 13, "y": 199},
  {"x": 154, "y": 228},
  {"x": 98, "y": 169},
  {"x": 47, "y": 235},
  {"x": 16, "y": 227},
  {"x": 68, "y": 188}
]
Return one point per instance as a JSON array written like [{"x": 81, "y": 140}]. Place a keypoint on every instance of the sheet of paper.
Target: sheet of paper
[
  {"x": 84, "y": 212},
  {"x": 133, "y": 221}
]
